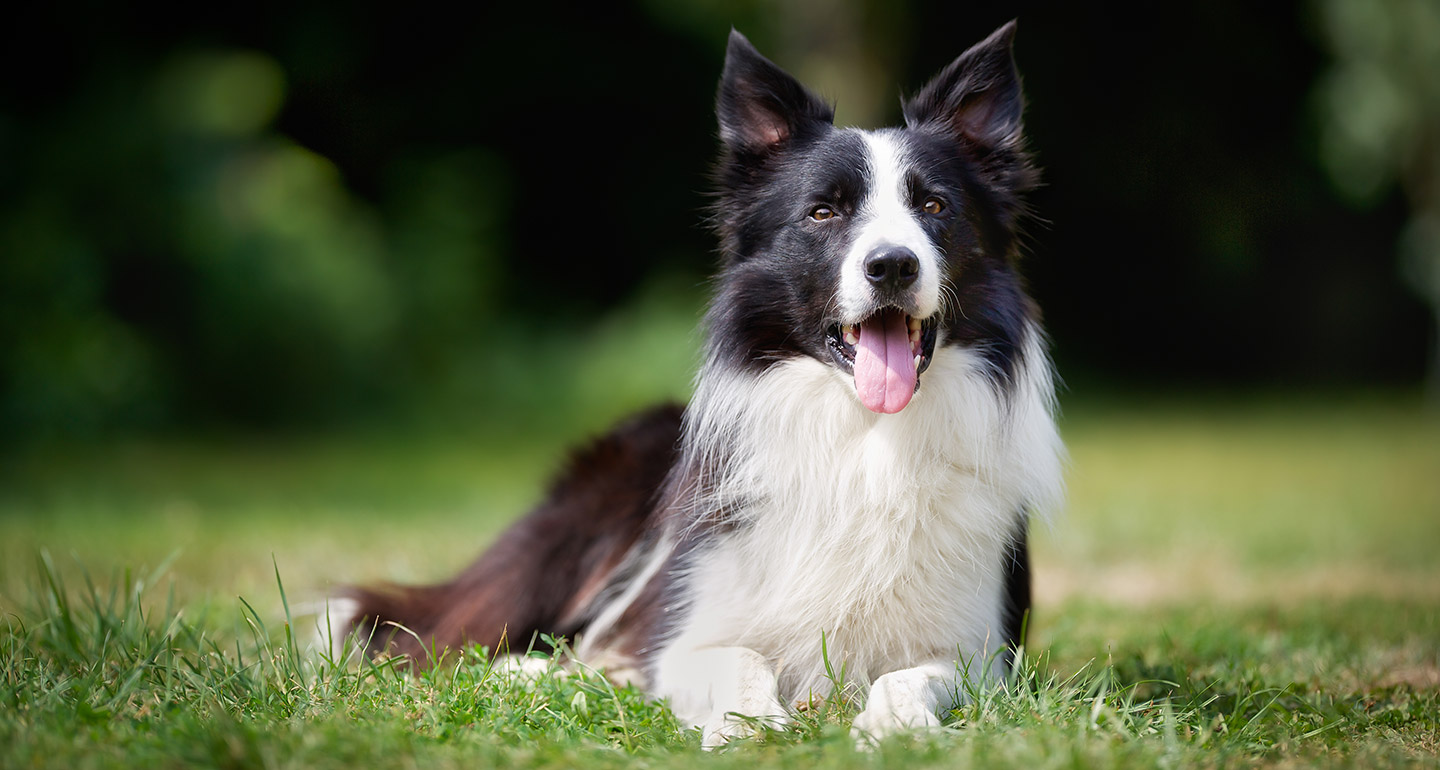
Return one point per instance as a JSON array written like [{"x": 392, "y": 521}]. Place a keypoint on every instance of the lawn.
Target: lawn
[{"x": 1241, "y": 581}]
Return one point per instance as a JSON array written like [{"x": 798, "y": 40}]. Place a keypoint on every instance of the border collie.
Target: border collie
[{"x": 872, "y": 427}]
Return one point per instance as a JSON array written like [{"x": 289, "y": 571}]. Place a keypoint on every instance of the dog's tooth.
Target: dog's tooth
[
  {"x": 914, "y": 335},
  {"x": 917, "y": 363},
  {"x": 914, "y": 325},
  {"x": 848, "y": 331}
]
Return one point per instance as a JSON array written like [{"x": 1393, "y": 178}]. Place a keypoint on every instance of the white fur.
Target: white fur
[
  {"x": 525, "y": 669},
  {"x": 727, "y": 692},
  {"x": 332, "y": 631},
  {"x": 882, "y": 534},
  {"x": 908, "y": 699},
  {"x": 886, "y": 218},
  {"x": 619, "y": 667}
]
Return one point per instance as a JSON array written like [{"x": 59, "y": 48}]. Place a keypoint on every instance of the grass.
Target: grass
[{"x": 1240, "y": 583}]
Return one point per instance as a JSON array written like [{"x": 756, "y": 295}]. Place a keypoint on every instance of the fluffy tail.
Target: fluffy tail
[{"x": 544, "y": 574}]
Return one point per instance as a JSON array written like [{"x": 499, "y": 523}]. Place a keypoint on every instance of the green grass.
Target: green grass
[{"x": 1246, "y": 583}]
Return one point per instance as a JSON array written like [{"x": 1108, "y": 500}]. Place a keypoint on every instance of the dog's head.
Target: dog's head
[{"x": 866, "y": 249}]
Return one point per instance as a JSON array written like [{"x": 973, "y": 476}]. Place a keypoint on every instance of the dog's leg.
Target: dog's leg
[
  {"x": 908, "y": 699},
  {"x": 728, "y": 691}
]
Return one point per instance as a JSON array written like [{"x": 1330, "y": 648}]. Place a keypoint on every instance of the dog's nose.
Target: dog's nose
[{"x": 892, "y": 268}]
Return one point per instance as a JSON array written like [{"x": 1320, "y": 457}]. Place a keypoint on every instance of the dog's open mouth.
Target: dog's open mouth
[{"x": 886, "y": 352}]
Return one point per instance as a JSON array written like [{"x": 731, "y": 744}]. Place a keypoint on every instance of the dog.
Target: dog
[{"x": 872, "y": 428}]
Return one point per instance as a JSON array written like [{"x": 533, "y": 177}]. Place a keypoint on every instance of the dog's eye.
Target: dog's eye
[
  {"x": 821, "y": 213},
  {"x": 933, "y": 206}
]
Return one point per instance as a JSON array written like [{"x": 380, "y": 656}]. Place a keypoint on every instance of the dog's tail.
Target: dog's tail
[{"x": 545, "y": 574}]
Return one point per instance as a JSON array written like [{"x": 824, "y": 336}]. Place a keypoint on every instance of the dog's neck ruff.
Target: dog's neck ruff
[{"x": 795, "y": 435}]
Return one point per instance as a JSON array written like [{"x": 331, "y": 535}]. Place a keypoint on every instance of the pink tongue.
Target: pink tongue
[{"x": 884, "y": 365}]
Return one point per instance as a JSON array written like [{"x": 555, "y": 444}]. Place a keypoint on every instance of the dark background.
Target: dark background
[{"x": 312, "y": 214}]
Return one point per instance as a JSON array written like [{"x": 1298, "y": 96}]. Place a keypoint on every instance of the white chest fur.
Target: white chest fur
[{"x": 884, "y": 533}]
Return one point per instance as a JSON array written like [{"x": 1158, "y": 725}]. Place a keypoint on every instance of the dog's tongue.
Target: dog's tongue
[{"x": 884, "y": 366}]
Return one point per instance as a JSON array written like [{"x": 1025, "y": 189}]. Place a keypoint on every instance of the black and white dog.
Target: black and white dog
[{"x": 871, "y": 428}]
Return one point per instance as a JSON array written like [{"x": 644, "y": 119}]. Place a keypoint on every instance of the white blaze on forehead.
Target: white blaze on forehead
[{"x": 887, "y": 218}]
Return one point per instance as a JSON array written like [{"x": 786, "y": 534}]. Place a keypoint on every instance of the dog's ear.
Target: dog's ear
[
  {"x": 977, "y": 97},
  {"x": 760, "y": 106}
]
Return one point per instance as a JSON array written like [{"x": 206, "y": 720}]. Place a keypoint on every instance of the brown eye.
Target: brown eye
[
  {"x": 821, "y": 213},
  {"x": 933, "y": 206}
]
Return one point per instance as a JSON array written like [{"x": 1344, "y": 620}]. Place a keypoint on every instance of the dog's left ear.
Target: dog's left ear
[{"x": 977, "y": 97}]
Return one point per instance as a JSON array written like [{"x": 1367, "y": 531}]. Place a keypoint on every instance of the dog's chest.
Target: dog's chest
[
  {"x": 880, "y": 540},
  {"x": 880, "y": 585}
]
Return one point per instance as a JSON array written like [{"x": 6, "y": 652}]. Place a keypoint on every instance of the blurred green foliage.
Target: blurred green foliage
[
  {"x": 1380, "y": 123},
  {"x": 185, "y": 249},
  {"x": 302, "y": 218}
]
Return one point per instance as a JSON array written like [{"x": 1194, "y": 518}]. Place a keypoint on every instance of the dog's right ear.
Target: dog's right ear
[{"x": 761, "y": 107}]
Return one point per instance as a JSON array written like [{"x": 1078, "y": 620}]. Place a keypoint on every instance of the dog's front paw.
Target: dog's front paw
[
  {"x": 881, "y": 720},
  {"x": 723, "y": 726}
]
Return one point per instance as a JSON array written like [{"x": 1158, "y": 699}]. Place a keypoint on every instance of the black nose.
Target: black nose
[{"x": 892, "y": 268}]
